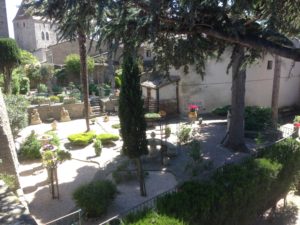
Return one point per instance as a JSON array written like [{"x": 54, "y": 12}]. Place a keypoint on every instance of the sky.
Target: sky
[{"x": 11, "y": 8}]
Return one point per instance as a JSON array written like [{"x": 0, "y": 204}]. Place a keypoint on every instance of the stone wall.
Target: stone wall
[
  {"x": 8, "y": 153},
  {"x": 76, "y": 111},
  {"x": 3, "y": 20}
]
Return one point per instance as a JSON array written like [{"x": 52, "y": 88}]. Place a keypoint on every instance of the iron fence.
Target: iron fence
[{"x": 73, "y": 218}]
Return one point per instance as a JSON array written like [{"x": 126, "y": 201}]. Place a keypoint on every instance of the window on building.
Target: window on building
[
  {"x": 148, "y": 53},
  {"x": 43, "y": 36},
  {"x": 47, "y": 36},
  {"x": 270, "y": 65}
]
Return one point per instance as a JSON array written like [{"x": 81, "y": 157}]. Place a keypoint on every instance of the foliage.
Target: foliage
[
  {"x": 133, "y": 124},
  {"x": 61, "y": 76},
  {"x": 75, "y": 93},
  {"x": 151, "y": 217},
  {"x": 70, "y": 100},
  {"x": 61, "y": 97},
  {"x": 221, "y": 111},
  {"x": 26, "y": 58},
  {"x": 46, "y": 71},
  {"x": 72, "y": 64},
  {"x": 56, "y": 89},
  {"x": 32, "y": 71},
  {"x": 82, "y": 139},
  {"x": 118, "y": 78},
  {"x": 42, "y": 88},
  {"x": 9, "y": 59},
  {"x": 184, "y": 134},
  {"x": 195, "y": 151},
  {"x": 259, "y": 182},
  {"x": 297, "y": 119},
  {"x": 9, "y": 180},
  {"x": 24, "y": 85},
  {"x": 116, "y": 126},
  {"x": 50, "y": 159},
  {"x": 257, "y": 118},
  {"x": 152, "y": 116},
  {"x": 93, "y": 88},
  {"x": 30, "y": 148},
  {"x": 55, "y": 139},
  {"x": 107, "y": 138},
  {"x": 95, "y": 197},
  {"x": 16, "y": 106},
  {"x": 167, "y": 131},
  {"x": 39, "y": 100},
  {"x": 54, "y": 99},
  {"x": 97, "y": 146}
]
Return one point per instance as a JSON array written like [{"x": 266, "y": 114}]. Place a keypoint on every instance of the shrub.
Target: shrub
[
  {"x": 93, "y": 88},
  {"x": 97, "y": 146},
  {"x": 57, "y": 89},
  {"x": 257, "y": 118},
  {"x": 54, "y": 99},
  {"x": 17, "y": 112},
  {"x": 297, "y": 119},
  {"x": 107, "y": 138},
  {"x": 116, "y": 126},
  {"x": 95, "y": 197},
  {"x": 152, "y": 116},
  {"x": 236, "y": 194},
  {"x": 61, "y": 97},
  {"x": 55, "y": 139},
  {"x": 118, "y": 82},
  {"x": 75, "y": 93},
  {"x": 40, "y": 100},
  {"x": 221, "y": 111},
  {"x": 70, "y": 100},
  {"x": 9, "y": 180},
  {"x": 184, "y": 134},
  {"x": 30, "y": 148},
  {"x": 167, "y": 131},
  {"x": 151, "y": 217},
  {"x": 24, "y": 85},
  {"x": 82, "y": 139},
  {"x": 42, "y": 88}
]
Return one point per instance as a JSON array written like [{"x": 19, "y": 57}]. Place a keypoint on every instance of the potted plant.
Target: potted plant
[{"x": 193, "y": 112}]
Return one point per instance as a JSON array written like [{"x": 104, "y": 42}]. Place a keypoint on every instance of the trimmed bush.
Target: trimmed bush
[
  {"x": 82, "y": 139},
  {"x": 70, "y": 100},
  {"x": 42, "y": 88},
  {"x": 97, "y": 146},
  {"x": 40, "y": 100},
  {"x": 236, "y": 194},
  {"x": 257, "y": 118},
  {"x": 116, "y": 126},
  {"x": 107, "y": 138},
  {"x": 221, "y": 111},
  {"x": 30, "y": 148},
  {"x": 95, "y": 197},
  {"x": 150, "y": 217},
  {"x": 152, "y": 116},
  {"x": 54, "y": 99}
]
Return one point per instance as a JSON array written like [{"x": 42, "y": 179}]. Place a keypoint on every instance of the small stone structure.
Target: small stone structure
[
  {"x": 35, "y": 117},
  {"x": 8, "y": 154},
  {"x": 64, "y": 115},
  {"x": 76, "y": 111}
]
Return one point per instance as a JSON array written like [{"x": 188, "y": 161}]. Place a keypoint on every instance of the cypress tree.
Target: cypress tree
[{"x": 131, "y": 113}]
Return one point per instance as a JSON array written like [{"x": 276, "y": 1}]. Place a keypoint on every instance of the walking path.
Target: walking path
[{"x": 85, "y": 167}]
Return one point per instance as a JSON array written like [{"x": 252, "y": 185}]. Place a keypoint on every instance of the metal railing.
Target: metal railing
[
  {"x": 73, "y": 218},
  {"x": 149, "y": 204}
]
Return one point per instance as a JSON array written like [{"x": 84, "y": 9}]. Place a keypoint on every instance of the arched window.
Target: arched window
[
  {"x": 47, "y": 36},
  {"x": 43, "y": 35}
]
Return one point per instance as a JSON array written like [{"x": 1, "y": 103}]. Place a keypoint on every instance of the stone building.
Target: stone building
[
  {"x": 3, "y": 20},
  {"x": 33, "y": 33}
]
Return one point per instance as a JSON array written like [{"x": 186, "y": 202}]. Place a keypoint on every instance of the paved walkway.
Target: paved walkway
[{"x": 85, "y": 166}]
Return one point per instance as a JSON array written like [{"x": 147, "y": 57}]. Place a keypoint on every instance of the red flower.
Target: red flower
[
  {"x": 297, "y": 125},
  {"x": 193, "y": 108}
]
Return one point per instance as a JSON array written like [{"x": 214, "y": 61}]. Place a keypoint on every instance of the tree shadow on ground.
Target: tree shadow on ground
[
  {"x": 282, "y": 216},
  {"x": 45, "y": 209},
  {"x": 72, "y": 147}
]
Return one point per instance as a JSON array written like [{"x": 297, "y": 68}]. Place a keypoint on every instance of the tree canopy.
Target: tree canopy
[{"x": 72, "y": 64}]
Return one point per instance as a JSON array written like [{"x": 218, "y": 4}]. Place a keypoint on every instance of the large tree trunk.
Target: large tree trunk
[
  {"x": 141, "y": 177},
  {"x": 275, "y": 91},
  {"x": 236, "y": 139},
  {"x": 84, "y": 75},
  {"x": 111, "y": 70}
]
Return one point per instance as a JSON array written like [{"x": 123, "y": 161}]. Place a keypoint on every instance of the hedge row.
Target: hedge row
[{"x": 236, "y": 194}]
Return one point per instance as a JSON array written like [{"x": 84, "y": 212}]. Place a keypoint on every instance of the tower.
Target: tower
[{"x": 3, "y": 20}]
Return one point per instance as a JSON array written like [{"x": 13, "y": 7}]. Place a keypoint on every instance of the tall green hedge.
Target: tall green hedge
[{"x": 236, "y": 194}]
